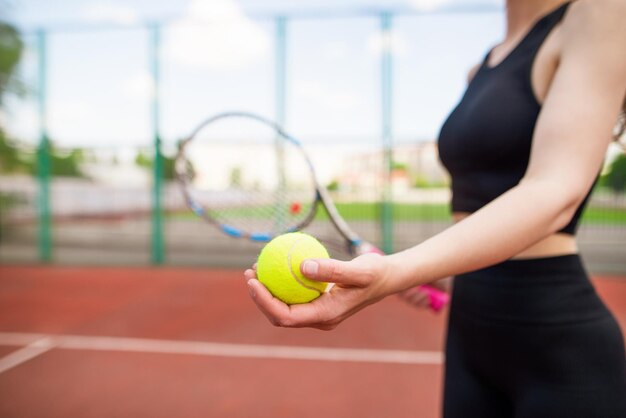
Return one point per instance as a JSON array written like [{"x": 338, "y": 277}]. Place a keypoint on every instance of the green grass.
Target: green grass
[
  {"x": 604, "y": 216},
  {"x": 421, "y": 213},
  {"x": 400, "y": 212},
  {"x": 354, "y": 212}
]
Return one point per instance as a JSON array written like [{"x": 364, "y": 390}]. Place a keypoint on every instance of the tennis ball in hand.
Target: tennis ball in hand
[{"x": 278, "y": 267}]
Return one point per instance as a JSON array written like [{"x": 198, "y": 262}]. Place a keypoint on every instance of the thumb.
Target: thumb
[{"x": 330, "y": 270}]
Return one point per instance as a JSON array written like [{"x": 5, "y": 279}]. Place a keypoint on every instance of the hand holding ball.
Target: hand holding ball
[{"x": 278, "y": 267}]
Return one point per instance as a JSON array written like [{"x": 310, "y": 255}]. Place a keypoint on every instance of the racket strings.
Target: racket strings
[
  {"x": 257, "y": 183},
  {"x": 258, "y": 211}
]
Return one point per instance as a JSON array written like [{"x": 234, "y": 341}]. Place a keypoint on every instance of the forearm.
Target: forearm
[{"x": 513, "y": 222}]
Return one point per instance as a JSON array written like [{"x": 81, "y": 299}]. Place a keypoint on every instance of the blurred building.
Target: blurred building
[{"x": 415, "y": 166}]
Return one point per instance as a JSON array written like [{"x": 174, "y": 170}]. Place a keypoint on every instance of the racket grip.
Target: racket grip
[{"x": 437, "y": 299}]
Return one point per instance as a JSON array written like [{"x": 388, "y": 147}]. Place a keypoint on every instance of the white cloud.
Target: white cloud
[
  {"x": 214, "y": 10},
  {"x": 335, "y": 50},
  {"x": 21, "y": 119},
  {"x": 385, "y": 41},
  {"x": 216, "y": 35},
  {"x": 430, "y": 5},
  {"x": 323, "y": 96},
  {"x": 80, "y": 121},
  {"x": 427, "y": 5},
  {"x": 110, "y": 13},
  {"x": 139, "y": 86},
  {"x": 64, "y": 114}
]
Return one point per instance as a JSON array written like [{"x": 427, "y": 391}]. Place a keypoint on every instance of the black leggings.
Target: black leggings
[{"x": 531, "y": 339}]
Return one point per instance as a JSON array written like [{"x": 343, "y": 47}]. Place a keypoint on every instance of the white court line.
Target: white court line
[
  {"x": 24, "y": 354},
  {"x": 143, "y": 345},
  {"x": 19, "y": 338}
]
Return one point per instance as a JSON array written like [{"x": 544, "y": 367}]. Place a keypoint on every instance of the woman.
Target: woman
[{"x": 527, "y": 334}]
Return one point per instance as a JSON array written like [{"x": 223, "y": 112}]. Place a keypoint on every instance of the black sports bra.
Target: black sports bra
[{"x": 485, "y": 142}]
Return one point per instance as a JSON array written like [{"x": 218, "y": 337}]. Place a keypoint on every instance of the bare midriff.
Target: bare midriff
[{"x": 553, "y": 245}]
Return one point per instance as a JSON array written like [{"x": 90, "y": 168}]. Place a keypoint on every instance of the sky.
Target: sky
[{"x": 218, "y": 55}]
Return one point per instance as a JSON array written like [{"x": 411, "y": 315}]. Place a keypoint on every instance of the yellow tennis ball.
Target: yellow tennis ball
[{"x": 278, "y": 267}]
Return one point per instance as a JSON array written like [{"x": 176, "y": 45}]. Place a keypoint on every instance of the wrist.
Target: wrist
[
  {"x": 404, "y": 270},
  {"x": 393, "y": 274}
]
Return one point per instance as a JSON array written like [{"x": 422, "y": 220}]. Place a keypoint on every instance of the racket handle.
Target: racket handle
[{"x": 437, "y": 299}]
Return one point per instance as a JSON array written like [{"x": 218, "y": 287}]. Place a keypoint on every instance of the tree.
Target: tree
[
  {"x": 11, "y": 49},
  {"x": 235, "y": 177},
  {"x": 145, "y": 161},
  {"x": 616, "y": 177},
  {"x": 66, "y": 164},
  {"x": 11, "y": 159}
]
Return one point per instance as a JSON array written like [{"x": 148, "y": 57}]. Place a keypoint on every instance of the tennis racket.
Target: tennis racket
[{"x": 245, "y": 175}]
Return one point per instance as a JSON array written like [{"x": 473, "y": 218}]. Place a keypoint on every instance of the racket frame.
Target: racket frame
[{"x": 356, "y": 246}]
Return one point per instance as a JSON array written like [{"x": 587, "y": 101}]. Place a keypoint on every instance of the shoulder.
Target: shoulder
[
  {"x": 472, "y": 72},
  {"x": 596, "y": 20},
  {"x": 594, "y": 31}
]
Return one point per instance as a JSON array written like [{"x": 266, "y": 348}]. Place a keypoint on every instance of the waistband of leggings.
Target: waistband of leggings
[{"x": 568, "y": 264}]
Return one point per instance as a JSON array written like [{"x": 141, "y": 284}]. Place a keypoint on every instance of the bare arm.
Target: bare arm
[{"x": 569, "y": 144}]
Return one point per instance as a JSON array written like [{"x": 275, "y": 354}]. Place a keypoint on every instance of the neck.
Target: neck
[{"x": 521, "y": 14}]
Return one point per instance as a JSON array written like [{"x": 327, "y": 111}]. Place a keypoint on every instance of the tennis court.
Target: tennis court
[{"x": 162, "y": 342}]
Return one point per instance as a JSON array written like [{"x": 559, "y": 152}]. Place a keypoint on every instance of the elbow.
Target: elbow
[
  {"x": 561, "y": 200},
  {"x": 567, "y": 203},
  {"x": 563, "y": 218}
]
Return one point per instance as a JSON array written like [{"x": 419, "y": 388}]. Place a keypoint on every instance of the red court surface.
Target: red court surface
[{"x": 144, "y": 342}]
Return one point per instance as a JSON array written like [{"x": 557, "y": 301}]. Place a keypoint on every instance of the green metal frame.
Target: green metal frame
[
  {"x": 44, "y": 235},
  {"x": 280, "y": 86},
  {"x": 157, "y": 237},
  {"x": 387, "y": 132},
  {"x": 281, "y": 70}
]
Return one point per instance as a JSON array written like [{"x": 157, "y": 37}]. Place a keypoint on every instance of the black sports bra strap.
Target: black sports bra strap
[{"x": 534, "y": 38}]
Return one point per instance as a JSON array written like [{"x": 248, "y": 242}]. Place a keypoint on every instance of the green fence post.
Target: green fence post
[
  {"x": 157, "y": 242},
  {"x": 281, "y": 69},
  {"x": 387, "y": 139},
  {"x": 44, "y": 236},
  {"x": 280, "y": 86}
]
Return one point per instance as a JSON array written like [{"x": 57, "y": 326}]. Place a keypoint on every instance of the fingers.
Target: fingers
[
  {"x": 250, "y": 273},
  {"x": 358, "y": 285},
  {"x": 445, "y": 284},
  {"x": 330, "y": 270},
  {"x": 271, "y": 307},
  {"x": 414, "y": 296},
  {"x": 294, "y": 316}
]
